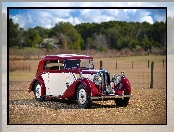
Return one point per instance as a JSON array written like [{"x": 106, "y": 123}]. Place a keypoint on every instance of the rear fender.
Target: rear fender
[{"x": 41, "y": 82}]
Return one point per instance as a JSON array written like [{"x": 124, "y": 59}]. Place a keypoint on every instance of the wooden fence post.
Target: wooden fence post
[
  {"x": 101, "y": 67},
  {"x": 116, "y": 65},
  {"x": 148, "y": 63},
  {"x": 152, "y": 74}
]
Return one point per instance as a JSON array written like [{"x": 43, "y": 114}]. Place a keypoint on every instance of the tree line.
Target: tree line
[{"x": 98, "y": 36}]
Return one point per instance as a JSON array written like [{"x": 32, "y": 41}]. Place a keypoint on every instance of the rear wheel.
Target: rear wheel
[
  {"x": 83, "y": 100},
  {"x": 37, "y": 92},
  {"x": 122, "y": 102}
]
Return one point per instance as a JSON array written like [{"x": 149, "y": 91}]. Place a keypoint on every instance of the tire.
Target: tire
[
  {"x": 37, "y": 92},
  {"x": 83, "y": 100},
  {"x": 122, "y": 102}
]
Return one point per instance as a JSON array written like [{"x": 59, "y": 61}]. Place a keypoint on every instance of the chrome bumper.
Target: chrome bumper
[{"x": 110, "y": 97}]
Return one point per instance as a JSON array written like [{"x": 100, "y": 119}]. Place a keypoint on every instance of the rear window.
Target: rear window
[{"x": 53, "y": 65}]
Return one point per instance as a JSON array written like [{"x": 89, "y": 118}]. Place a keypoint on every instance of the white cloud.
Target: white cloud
[
  {"x": 76, "y": 20},
  {"x": 147, "y": 19},
  {"x": 48, "y": 26},
  {"x": 112, "y": 12},
  {"x": 29, "y": 18},
  {"x": 98, "y": 15},
  {"x": 160, "y": 18},
  {"x": 20, "y": 20},
  {"x": 144, "y": 16},
  {"x": 51, "y": 17},
  {"x": 48, "y": 18}
]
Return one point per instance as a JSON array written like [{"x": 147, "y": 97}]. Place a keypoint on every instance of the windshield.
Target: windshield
[{"x": 78, "y": 63}]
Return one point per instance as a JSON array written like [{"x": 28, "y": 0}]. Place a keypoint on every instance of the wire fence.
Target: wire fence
[{"x": 139, "y": 72}]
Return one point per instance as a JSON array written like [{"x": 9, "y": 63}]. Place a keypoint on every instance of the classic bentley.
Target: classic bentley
[{"x": 73, "y": 77}]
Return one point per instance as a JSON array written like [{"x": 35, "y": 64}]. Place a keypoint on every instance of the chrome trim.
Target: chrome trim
[{"x": 110, "y": 97}]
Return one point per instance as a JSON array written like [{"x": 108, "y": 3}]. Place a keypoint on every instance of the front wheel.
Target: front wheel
[
  {"x": 122, "y": 102},
  {"x": 37, "y": 92},
  {"x": 83, "y": 100}
]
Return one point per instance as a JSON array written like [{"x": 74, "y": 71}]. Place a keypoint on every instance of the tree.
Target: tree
[
  {"x": 158, "y": 33},
  {"x": 13, "y": 32},
  {"x": 32, "y": 37},
  {"x": 100, "y": 42},
  {"x": 69, "y": 37},
  {"x": 43, "y": 33},
  {"x": 20, "y": 37},
  {"x": 111, "y": 34}
]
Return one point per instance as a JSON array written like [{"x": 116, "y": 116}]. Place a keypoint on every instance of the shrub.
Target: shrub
[{"x": 48, "y": 47}]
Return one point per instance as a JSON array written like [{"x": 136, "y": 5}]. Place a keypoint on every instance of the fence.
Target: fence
[{"x": 140, "y": 73}]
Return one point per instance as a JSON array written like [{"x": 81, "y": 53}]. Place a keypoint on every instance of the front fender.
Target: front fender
[
  {"x": 124, "y": 85},
  {"x": 89, "y": 86}
]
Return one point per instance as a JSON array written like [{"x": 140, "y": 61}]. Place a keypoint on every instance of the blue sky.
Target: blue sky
[{"x": 47, "y": 18}]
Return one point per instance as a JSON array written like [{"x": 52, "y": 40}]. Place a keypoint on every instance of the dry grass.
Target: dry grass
[
  {"x": 36, "y": 54},
  {"x": 19, "y": 66},
  {"x": 147, "y": 106}
]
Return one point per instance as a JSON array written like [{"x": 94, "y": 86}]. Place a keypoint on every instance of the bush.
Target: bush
[
  {"x": 126, "y": 52},
  {"x": 15, "y": 47},
  {"x": 139, "y": 51},
  {"x": 101, "y": 49},
  {"x": 48, "y": 47}
]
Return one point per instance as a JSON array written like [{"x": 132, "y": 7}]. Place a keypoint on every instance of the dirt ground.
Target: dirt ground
[{"x": 147, "y": 106}]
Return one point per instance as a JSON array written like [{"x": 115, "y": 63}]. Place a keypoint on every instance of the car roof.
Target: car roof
[{"x": 67, "y": 56}]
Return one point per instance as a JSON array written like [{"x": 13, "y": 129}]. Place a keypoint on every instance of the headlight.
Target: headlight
[
  {"x": 97, "y": 79},
  {"x": 116, "y": 78}
]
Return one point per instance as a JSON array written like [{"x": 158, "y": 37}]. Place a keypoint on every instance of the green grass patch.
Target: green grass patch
[{"x": 21, "y": 76}]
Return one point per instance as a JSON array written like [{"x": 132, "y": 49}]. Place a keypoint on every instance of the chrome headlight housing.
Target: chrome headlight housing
[
  {"x": 116, "y": 78},
  {"x": 97, "y": 79}
]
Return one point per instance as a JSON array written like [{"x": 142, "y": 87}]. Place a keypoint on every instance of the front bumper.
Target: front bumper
[{"x": 107, "y": 97}]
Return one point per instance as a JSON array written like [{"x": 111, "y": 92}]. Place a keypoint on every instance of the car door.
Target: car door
[{"x": 56, "y": 81}]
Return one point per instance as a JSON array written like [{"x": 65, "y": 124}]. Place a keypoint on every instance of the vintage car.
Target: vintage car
[{"x": 73, "y": 77}]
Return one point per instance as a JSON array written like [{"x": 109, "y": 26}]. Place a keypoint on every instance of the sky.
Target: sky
[{"x": 47, "y": 18}]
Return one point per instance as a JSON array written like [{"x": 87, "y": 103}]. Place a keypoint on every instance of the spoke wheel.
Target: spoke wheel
[
  {"x": 83, "y": 99},
  {"x": 37, "y": 92}
]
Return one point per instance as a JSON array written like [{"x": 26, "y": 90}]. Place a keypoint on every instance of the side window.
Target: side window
[
  {"x": 53, "y": 65},
  {"x": 72, "y": 63}
]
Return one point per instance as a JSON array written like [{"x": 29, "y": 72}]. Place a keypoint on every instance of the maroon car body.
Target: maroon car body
[{"x": 73, "y": 77}]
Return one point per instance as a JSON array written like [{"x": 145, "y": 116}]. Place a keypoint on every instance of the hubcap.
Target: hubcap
[
  {"x": 38, "y": 91},
  {"x": 82, "y": 96}
]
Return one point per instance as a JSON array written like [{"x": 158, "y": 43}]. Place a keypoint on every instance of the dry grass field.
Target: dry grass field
[{"x": 147, "y": 106}]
